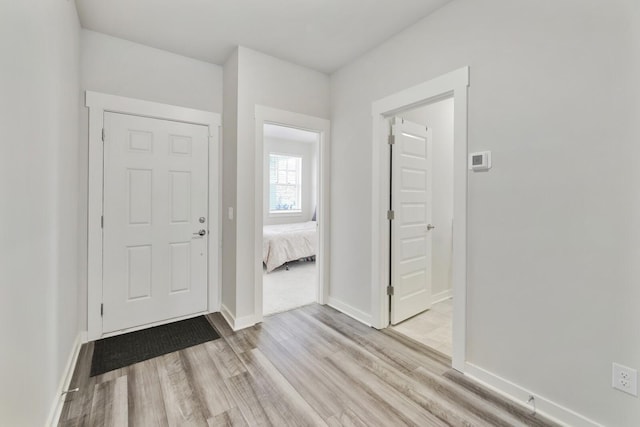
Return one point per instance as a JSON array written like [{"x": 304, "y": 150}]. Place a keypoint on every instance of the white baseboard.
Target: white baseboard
[
  {"x": 519, "y": 395},
  {"x": 236, "y": 323},
  {"x": 65, "y": 380},
  {"x": 441, "y": 296},
  {"x": 350, "y": 311},
  {"x": 230, "y": 318}
]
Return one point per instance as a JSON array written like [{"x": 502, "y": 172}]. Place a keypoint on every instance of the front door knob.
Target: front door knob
[{"x": 201, "y": 232}]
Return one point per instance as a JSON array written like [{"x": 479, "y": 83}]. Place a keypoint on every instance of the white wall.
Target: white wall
[
  {"x": 439, "y": 118},
  {"x": 39, "y": 106},
  {"x": 268, "y": 81},
  {"x": 120, "y": 67},
  {"x": 307, "y": 152},
  {"x": 553, "y": 236},
  {"x": 229, "y": 181}
]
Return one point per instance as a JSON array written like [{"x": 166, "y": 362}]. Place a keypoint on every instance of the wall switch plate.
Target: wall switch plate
[{"x": 625, "y": 379}]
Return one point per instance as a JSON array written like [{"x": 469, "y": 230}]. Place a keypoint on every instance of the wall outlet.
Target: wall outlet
[{"x": 625, "y": 379}]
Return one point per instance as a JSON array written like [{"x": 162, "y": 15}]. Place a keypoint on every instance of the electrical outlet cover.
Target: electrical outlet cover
[{"x": 625, "y": 379}]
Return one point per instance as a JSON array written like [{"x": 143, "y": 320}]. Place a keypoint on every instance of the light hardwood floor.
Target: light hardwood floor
[{"x": 310, "y": 366}]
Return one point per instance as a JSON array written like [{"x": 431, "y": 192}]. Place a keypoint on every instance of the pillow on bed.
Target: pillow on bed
[{"x": 313, "y": 218}]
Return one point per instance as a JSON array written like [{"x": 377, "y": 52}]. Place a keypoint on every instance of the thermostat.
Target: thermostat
[{"x": 480, "y": 161}]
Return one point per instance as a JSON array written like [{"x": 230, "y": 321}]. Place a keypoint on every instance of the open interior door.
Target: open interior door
[{"x": 411, "y": 194}]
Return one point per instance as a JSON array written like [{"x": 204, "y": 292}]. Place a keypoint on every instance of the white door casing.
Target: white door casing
[
  {"x": 411, "y": 236},
  {"x": 453, "y": 84},
  {"x": 264, "y": 114},
  {"x": 99, "y": 104},
  {"x": 155, "y": 192}
]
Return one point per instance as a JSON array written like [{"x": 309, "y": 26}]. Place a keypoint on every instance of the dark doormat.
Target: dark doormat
[{"x": 133, "y": 347}]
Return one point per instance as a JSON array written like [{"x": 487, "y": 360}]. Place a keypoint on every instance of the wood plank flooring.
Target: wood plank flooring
[{"x": 312, "y": 366}]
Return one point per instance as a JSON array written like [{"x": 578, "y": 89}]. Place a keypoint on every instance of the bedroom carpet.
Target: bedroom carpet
[
  {"x": 126, "y": 349},
  {"x": 285, "y": 290}
]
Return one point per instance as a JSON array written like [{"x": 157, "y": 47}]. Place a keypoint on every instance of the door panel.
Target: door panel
[
  {"x": 155, "y": 191},
  {"x": 139, "y": 200},
  {"x": 139, "y": 272},
  {"x": 411, "y": 203}
]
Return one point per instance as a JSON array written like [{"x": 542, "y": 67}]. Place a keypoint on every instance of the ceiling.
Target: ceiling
[
  {"x": 289, "y": 133},
  {"x": 320, "y": 34}
]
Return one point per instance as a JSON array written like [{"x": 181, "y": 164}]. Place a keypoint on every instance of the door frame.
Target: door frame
[
  {"x": 453, "y": 84},
  {"x": 322, "y": 126},
  {"x": 98, "y": 104}
]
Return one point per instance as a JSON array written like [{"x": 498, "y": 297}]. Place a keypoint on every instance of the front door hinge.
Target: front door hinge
[
  {"x": 389, "y": 290},
  {"x": 392, "y": 139},
  {"x": 101, "y": 310},
  {"x": 391, "y": 215},
  {"x": 103, "y": 135}
]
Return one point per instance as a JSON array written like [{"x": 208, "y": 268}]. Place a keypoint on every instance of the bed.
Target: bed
[{"x": 288, "y": 242}]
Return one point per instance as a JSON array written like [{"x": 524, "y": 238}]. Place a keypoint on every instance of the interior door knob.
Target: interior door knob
[
  {"x": 201, "y": 232},
  {"x": 430, "y": 227}
]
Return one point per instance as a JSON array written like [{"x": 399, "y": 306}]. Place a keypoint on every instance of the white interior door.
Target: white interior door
[
  {"x": 411, "y": 227},
  {"x": 155, "y": 204}
]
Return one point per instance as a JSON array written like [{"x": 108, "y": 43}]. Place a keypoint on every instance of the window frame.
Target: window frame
[{"x": 291, "y": 212}]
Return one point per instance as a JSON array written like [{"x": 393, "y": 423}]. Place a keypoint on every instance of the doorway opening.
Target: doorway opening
[
  {"x": 422, "y": 229},
  {"x": 291, "y": 210},
  {"x": 290, "y": 220},
  {"x": 452, "y": 85}
]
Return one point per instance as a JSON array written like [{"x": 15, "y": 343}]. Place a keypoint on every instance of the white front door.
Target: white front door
[
  {"x": 411, "y": 227},
  {"x": 155, "y": 204}
]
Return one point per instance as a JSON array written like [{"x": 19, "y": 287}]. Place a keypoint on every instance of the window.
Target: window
[{"x": 285, "y": 184}]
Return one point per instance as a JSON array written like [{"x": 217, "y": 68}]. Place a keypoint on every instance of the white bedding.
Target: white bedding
[{"x": 288, "y": 242}]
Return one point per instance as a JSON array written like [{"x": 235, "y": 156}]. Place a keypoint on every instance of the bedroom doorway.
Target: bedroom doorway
[
  {"x": 290, "y": 226},
  {"x": 291, "y": 210}
]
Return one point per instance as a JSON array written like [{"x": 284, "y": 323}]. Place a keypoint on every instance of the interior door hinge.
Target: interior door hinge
[
  {"x": 392, "y": 139},
  {"x": 101, "y": 310},
  {"x": 391, "y": 215},
  {"x": 103, "y": 133},
  {"x": 389, "y": 290},
  {"x": 102, "y": 221}
]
